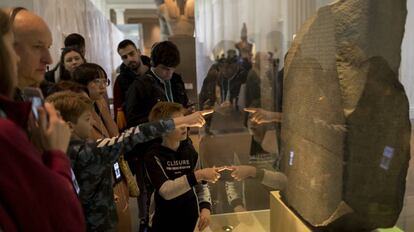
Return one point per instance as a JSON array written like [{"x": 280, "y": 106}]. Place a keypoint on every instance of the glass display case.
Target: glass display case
[
  {"x": 311, "y": 98},
  {"x": 255, "y": 220}
]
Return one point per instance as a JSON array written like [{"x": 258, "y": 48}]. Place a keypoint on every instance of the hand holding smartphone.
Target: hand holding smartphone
[
  {"x": 35, "y": 96},
  {"x": 49, "y": 131}
]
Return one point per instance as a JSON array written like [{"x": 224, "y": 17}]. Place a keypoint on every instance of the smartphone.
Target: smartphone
[
  {"x": 117, "y": 172},
  {"x": 35, "y": 96}
]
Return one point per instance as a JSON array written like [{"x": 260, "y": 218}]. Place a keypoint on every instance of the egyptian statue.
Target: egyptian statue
[
  {"x": 244, "y": 47},
  {"x": 176, "y": 17}
]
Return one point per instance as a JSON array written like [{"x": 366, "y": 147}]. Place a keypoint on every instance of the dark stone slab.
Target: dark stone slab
[{"x": 346, "y": 129}]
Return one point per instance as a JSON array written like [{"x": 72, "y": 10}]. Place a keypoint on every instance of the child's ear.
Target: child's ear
[{"x": 71, "y": 126}]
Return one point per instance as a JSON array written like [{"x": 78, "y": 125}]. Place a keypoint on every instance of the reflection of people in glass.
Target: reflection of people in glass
[
  {"x": 260, "y": 116},
  {"x": 263, "y": 156},
  {"x": 222, "y": 86},
  {"x": 221, "y": 91},
  {"x": 273, "y": 179},
  {"x": 258, "y": 120},
  {"x": 228, "y": 89}
]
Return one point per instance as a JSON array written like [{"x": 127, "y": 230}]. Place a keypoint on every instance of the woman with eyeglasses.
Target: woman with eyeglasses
[{"x": 94, "y": 78}]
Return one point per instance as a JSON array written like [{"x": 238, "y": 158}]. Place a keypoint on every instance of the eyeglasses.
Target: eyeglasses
[{"x": 101, "y": 81}]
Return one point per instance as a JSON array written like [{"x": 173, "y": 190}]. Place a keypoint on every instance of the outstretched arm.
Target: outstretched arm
[
  {"x": 148, "y": 131},
  {"x": 259, "y": 116}
]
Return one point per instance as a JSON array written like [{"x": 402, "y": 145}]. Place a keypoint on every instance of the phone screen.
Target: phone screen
[
  {"x": 36, "y": 103},
  {"x": 117, "y": 171},
  {"x": 35, "y": 96}
]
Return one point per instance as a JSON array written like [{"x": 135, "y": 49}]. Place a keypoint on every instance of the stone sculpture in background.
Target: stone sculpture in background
[
  {"x": 346, "y": 129},
  {"x": 245, "y": 48},
  {"x": 176, "y": 17}
]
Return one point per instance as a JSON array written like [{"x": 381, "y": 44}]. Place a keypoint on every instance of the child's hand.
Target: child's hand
[
  {"x": 204, "y": 220},
  {"x": 242, "y": 172},
  {"x": 195, "y": 119},
  {"x": 207, "y": 174}
]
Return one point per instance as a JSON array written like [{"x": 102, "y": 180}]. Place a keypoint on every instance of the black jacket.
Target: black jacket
[
  {"x": 125, "y": 79},
  {"x": 145, "y": 92},
  {"x": 177, "y": 205}
]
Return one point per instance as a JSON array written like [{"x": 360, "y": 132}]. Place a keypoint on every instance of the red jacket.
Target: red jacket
[{"x": 36, "y": 192}]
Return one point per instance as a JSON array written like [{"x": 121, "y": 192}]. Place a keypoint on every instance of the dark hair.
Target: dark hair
[
  {"x": 231, "y": 60},
  {"x": 6, "y": 75},
  {"x": 87, "y": 72},
  {"x": 231, "y": 53},
  {"x": 146, "y": 60},
  {"x": 165, "y": 53},
  {"x": 63, "y": 73},
  {"x": 74, "y": 39},
  {"x": 124, "y": 43}
]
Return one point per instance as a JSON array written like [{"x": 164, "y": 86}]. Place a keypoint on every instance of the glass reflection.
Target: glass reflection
[
  {"x": 241, "y": 49},
  {"x": 243, "y": 86}
]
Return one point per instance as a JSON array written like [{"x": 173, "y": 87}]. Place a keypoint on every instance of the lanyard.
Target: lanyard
[
  {"x": 168, "y": 91},
  {"x": 167, "y": 87},
  {"x": 225, "y": 95}
]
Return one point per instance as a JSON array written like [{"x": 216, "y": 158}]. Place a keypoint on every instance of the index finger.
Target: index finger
[
  {"x": 220, "y": 169},
  {"x": 206, "y": 112},
  {"x": 250, "y": 110}
]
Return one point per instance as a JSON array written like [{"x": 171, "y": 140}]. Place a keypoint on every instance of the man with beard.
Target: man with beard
[{"x": 131, "y": 68}]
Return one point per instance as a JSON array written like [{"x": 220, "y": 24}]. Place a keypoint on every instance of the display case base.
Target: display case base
[{"x": 284, "y": 219}]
